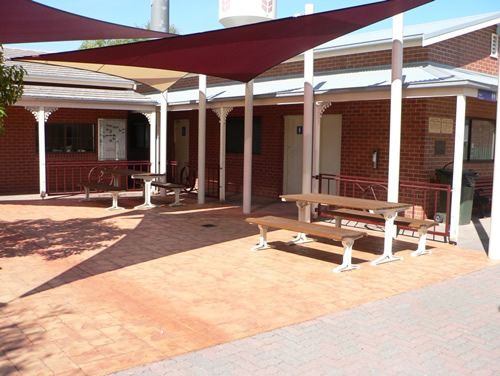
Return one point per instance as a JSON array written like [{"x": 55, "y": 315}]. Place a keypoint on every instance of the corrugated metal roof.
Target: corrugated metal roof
[
  {"x": 423, "y": 31},
  {"x": 418, "y": 76},
  {"x": 85, "y": 94},
  {"x": 44, "y": 73}
]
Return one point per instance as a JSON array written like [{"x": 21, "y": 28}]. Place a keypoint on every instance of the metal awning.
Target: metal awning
[{"x": 427, "y": 77}]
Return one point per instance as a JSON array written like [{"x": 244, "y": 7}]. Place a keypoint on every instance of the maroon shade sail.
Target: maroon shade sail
[
  {"x": 239, "y": 53},
  {"x": 25, "y": 21}
]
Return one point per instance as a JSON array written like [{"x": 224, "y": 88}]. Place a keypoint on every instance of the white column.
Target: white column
[
  {"x": 222, "y": 114},
  {"x": 307, "y": 135},
  {"x": 247, "y": 151},
  {"x": 319, "y": 109},
  {"x": 456, "y": 188},
  {"x": 41, "y": 115},
  {"x": 396, "y": 104},
  {"x": 163, "y": 136},
  {"x": 494, "y": 247},
  {"x": 202, "y": 135},
  {"x": 152, "y": 141},
  {"x": 41, "y": 151}
]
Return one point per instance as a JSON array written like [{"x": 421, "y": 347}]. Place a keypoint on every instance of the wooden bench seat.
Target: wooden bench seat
[
  {"x": 100, "y": 187},
  {"x": 420, "y": 225},
  {"x": 347, "y": 237},
  {"x": 177, "y": 188}
]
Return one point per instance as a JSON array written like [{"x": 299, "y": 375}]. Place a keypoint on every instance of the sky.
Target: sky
[{"x": 137, "y": 13}]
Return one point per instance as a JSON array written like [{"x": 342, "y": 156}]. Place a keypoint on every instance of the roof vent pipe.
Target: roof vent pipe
[{"x": 160, "y": 10}]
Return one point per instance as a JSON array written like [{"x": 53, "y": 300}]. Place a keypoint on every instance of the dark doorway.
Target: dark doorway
[{"x": 138, "y": 137}]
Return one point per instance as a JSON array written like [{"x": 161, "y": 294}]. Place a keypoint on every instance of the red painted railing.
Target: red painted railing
[
  {"x": 64, "y": 177},
  {"x": 428, "y": 200}
]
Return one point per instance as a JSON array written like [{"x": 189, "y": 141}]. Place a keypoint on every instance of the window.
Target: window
[
  {"x": 479, "y": 141},
  {"x": 235, "y": 135},
  {"x": 66, "y": 138}
]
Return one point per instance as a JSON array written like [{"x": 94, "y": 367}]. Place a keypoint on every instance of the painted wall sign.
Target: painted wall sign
[{"x": 487, "y": 95}]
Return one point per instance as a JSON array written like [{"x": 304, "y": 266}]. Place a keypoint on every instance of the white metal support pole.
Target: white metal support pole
[
  {"x": 222, "y": 113},
  {"x": 494, "y": 246},
  {"x": 202, "y": 135},
  {"x": 222, "y": 156},
  {"x": 396, "y": 108},
  {"x": 456, "y": 188},
  {"x": 316, "y": 145},
  {"x": 41, "y": 151},
  {"x": 247, "y": 151},
  {"x": 163, "y": 137},
  {"x": 307, "y": 135},
  {"x": 152, "y": 142}
]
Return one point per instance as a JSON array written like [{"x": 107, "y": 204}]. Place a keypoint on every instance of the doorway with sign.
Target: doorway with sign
[{"x": 330, "y": 149}]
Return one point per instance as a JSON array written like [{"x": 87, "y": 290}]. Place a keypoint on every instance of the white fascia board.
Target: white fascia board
[
  {"x": 131, "y": 85},
  {"x": 437, "y": 37},
  {"x": 90, "y": 104}
]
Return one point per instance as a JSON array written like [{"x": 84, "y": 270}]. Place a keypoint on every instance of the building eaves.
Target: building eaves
[
  {"x": 427, "y": 76},
  {"x": 57, "y": 75},
  {"x": 71, "y": 94}
]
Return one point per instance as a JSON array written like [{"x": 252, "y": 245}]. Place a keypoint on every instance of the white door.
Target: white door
[
  {"x": 181, "y": 141},
  {"x": 330, "y": 146},
  {"x": 292, "y": 172},
  {"x": 112, "y": 139}
]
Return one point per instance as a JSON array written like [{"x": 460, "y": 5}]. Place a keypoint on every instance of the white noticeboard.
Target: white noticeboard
[{"x": 112, "y": 139}]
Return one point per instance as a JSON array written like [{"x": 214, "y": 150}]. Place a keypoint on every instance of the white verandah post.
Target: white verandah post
[
  {"x": 152, "y": 141},
  {"x": 163, "y": 137},
  {"x": 222, "y": 114},
  {"x": 247, "y": 150},
  {"x": 41, "y": 115},
  {"x": 396, "y": 108},
  {"x": 202, "y": 135},
  {"x": 494, "y": 245},
  {"x": 457, "y": 169},
  {"x": 307, "y": 135}
]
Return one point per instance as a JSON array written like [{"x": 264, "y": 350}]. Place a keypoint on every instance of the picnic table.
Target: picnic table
[
  {"x": 146, "y": 177},
  {"x": 388, "y": 210}
]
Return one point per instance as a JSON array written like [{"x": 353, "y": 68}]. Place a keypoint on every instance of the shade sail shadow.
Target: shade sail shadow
[
  {"x": 57, "y": 239},
  {"x": 481, "y": 233},
  {"x": 334, "y": 257},
  {"x": 159, "y": 234}
]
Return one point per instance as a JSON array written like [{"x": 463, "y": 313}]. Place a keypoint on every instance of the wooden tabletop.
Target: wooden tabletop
[{"x": 346, "y": 202}]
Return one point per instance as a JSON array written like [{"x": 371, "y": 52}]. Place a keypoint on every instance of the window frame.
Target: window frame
[
  {"x": 67, "y": 139},
  {"x": 468, "y": 138}
]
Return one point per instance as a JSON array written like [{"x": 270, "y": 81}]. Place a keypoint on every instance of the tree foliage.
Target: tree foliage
[
  {"x": 11, "y": 86},
  {"x": 113, "y": 42}
]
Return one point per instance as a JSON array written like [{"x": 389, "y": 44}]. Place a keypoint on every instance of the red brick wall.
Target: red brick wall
[
  {"x": 18, "y": 146},
  {"x": 470, "y": 51}
]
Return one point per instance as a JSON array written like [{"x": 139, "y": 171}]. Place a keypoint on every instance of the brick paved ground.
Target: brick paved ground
[
  {"x": 84, "y": 291},
  {"x": 449, "y": 328}
]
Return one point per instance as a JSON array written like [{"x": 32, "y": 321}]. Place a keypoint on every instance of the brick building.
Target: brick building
[{"x": 443, "y": 61}]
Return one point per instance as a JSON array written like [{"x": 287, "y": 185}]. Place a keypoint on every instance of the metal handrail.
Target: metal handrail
[{"x": 426, "y": 198}]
